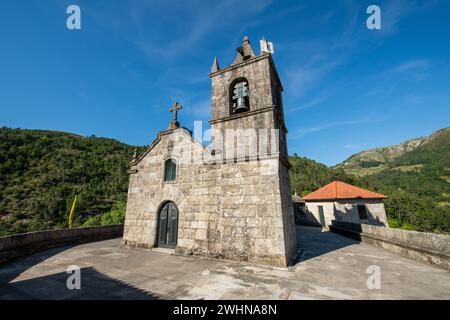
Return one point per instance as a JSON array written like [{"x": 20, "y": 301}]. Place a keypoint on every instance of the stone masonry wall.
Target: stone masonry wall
[
  {"x": 237, "y": 205},
  {"x": 257, "y": 72},
  {"x": 347, "y": 211},
  {"x": 288, "y": 211},
  {"x": 225, "y": 210},
  {"x": 19, "y": 245},
  {"x": 421, "y": 246}
]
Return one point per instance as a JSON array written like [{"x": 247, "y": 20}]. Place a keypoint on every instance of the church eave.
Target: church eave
[
  {"x": 142, "y": 156},
  {"x": 238, "y": 65},
  {"x": 158, "y": 139},
  {"x": 249, "y": 61}
]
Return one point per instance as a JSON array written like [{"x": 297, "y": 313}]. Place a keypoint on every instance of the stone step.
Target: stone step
[{"x": 164, "y": 250}]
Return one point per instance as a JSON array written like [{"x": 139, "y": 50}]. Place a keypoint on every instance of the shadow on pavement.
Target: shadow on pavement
[
  {"x": 94, "y": 285},
  {"x": 312, "y": 242}
]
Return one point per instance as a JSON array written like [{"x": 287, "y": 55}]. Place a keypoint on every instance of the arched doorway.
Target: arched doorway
[{"x": 168, "y": 226}]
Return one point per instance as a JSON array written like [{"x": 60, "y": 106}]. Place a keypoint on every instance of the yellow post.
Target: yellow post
[{"x": 72, "y": 210}]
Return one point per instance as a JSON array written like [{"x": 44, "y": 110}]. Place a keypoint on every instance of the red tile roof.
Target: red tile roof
[{"x": 340, "y": 190}]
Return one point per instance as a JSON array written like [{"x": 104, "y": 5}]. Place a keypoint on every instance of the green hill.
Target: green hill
[
  {"x": 371, "y": 161},
  {"x": 417, "y": 181},
  {"x": 308, "y": 175},
  {"x": 41, "y": 171}
]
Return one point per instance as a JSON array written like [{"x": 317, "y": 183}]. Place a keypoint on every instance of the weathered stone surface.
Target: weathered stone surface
[
  {"x": 345, "y": 210},
  {"x": 229, "y": 206},
  {"x": 422, "y": 246},
  {"x": 19, "y": 245},
  {"x": 331, "y": 267}
]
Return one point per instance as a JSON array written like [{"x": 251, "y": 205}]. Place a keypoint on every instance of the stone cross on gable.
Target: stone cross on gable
[{"x": 175, "y": 108}]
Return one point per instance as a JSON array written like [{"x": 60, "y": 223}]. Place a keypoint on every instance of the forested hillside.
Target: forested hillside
[
  {"x": 308, "y": 175},
  {"x": 415, "y": 175},
  {"x": 41, "y": 171},
  {"x": 418, "y": 184},
  {"x": 371, "y": 161}
]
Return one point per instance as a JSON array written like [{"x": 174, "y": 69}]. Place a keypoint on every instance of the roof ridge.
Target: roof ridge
[{"x": 341, "y": 190}]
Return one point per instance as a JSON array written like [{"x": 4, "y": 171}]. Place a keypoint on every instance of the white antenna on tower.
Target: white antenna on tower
[{"x": 266, "y": 46}]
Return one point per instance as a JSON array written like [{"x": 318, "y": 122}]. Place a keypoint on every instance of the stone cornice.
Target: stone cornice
[
  {"x": 251, "y": 113},
  {"x": 241, "y": 115},
  {"x": 241, "y": 64},
  {"x": 237, "y": 160},
  {"x": 249, "y": 61}
]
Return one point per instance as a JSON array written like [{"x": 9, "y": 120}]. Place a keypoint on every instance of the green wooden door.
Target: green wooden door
[
  {"x": 172, "y": 226},
  {"x": 168, "y": 226},
  {"x": 322, "y": 216}
]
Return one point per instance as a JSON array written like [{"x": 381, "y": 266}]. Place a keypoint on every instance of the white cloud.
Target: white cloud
[
  {"x": 196, "y": 20},
  {"x": 200, "y": 109},
  {"x": 393, "y": 11},
  {"x": 303, "y": 132},
  {"x": 412, "y": 65}
]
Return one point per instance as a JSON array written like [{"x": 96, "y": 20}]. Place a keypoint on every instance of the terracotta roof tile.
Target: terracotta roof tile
[{"x": 341, "y": 190}]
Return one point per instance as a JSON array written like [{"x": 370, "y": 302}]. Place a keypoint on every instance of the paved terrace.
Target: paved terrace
[{"x": 331, "y": 267}]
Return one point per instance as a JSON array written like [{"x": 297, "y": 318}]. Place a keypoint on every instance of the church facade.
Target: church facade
[{"x": 231, "y": 199}]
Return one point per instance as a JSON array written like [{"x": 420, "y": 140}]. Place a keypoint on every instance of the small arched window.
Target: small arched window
[
  {"x": 239, "y": 96},
  {"x": 170, "y": 170}
]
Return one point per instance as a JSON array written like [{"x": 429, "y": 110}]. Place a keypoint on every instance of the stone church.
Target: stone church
[{"x": 232, "y": 198}]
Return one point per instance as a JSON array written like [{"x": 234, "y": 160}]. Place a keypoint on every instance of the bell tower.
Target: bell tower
[
  {"x": 246, "y": 100},
  {"x": 248, "y": 95}
]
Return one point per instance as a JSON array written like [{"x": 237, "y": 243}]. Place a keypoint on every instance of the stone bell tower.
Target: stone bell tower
[
  {"x": 248, "y": 94},
  {"x": 247, "y": 100}
]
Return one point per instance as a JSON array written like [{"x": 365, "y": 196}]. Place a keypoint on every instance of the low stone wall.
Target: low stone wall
[
  {"x": 421, "y": 246},
  {"x": 19, "y": 245}
]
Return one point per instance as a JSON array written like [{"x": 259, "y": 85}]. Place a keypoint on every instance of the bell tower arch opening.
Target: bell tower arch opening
[{"x": 239, "y": 96}]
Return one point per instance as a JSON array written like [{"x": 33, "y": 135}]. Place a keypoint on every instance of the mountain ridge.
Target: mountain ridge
[{"x": 374, "y": 160}]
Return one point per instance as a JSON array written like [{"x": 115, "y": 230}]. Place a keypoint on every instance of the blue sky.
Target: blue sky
[{"x": 347, "y": 88}]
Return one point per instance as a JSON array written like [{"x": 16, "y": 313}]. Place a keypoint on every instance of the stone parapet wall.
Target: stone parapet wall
[
  {"x": 421, "y": 246},
  {"x": 19, "y": 245}
]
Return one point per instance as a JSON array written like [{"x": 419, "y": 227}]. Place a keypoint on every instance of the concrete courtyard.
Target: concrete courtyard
[{"x": 330, "y": 267}]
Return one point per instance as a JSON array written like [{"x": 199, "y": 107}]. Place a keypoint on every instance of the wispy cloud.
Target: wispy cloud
[
  {"x": 195, "y": 25},
  {"x": 394, "y": 11},
  {"x": 303, "y": 132},
  {"x": 315, "y": 101},
  {"x": 321, "y": 97},
  {"x": 200, "y": 109},
  {"x": 412, "y": 65},
  {"x": 307, "y": 76},
  {"x": 431, "y": 99},
  {"x": 414, "y": 69},
  {"x": 319, "y": 59}
]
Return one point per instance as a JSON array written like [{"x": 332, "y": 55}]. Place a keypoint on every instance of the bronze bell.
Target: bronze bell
[{"x": 241, "y": 106}]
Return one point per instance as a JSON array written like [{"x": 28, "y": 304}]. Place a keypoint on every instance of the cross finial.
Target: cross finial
[{"x": 175, "y": 108}]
